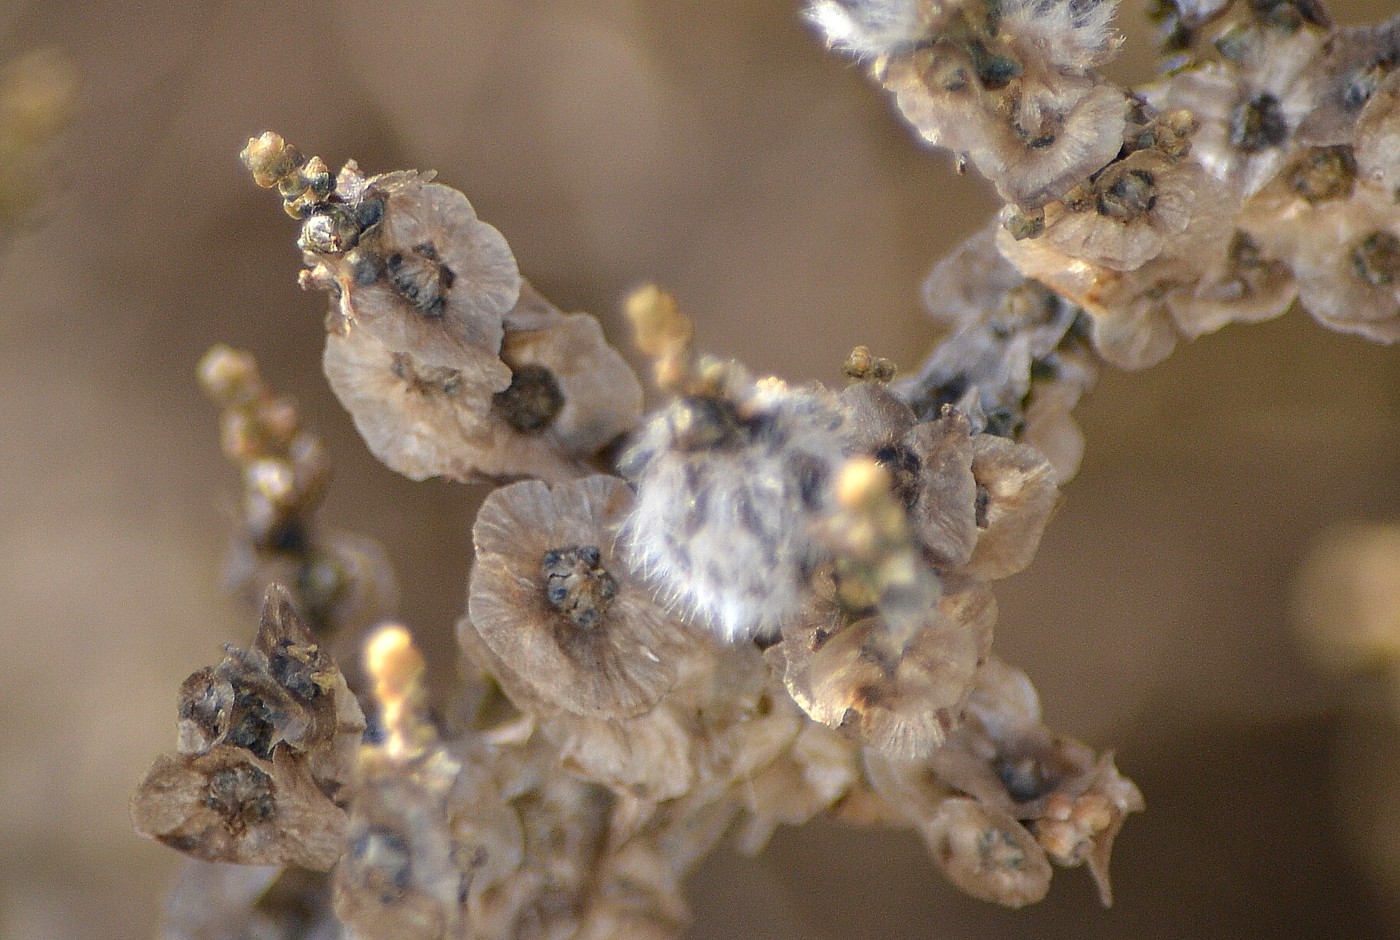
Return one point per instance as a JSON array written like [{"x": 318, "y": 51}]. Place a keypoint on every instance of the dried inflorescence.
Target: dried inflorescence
[
  {"x": 449, "y": 362},
  {"x": 339, "y": 582},
  {"x": 623, "y": 722},
  {"x": 1257, "y": 170},
  {"x": 1012, "y": 88},
  {"x": 265, "y": 750},
  {"x": 563, "y": 615},
  {"x": 1005, "y": 796},
  {"x": 761, "y": 602}
]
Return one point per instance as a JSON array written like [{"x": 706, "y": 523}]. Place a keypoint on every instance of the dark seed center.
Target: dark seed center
[
  {"x": 999, "y": 850},
  {"x": 1131, "y": 195},
  {"x": 532, "y": 401},
  {"x": 420, "y": 277},
  {"x": 426, "y": 379},
  {"x": 903, "y": 466},
  {"x": 385, "y": 863},
  {"x": 1004, "y": 422},
  {"x": 1023, "y": 778},
  {"x": 1258, "y": 124},
  {"x": 1361, "y": 85},
  {"x": 577, "y": 585},
  {"x": 295, "y": 668},
  {"x": 1376, "y": 259},
  {"x": 1324, "y": 173},
  {"x": 241, "y": 795}
]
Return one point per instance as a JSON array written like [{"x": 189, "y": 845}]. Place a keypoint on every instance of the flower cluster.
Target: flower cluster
[
  {"x": 1260, "y": 168},
  {"x": 760, "y": 602},
  {"x": 450, "y": 363},
  {"x": 266, "y": 750}
]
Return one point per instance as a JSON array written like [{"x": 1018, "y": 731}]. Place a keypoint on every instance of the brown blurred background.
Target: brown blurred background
[{"x": 712, "y": 146}]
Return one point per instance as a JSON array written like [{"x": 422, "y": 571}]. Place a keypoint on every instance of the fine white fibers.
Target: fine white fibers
[
  {"x": 727, "y": 493},
  {"x": 1069, "y": 34},
  {"x": 870, "y": 28}
]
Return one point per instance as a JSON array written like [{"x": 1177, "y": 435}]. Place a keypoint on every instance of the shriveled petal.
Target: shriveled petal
[
  {"x": 819, "y": 768},
  {"x": 1243, "y": 286},
  {"x": 425, "y": 421},
  {"x": 1377, "y": 137},
  {"x": 1049, "y": 424},
  {"x": 648, "y": 757},
  {"x": 942, "y": 514},
  {"x": 904, "y": 707},
  {"x": 422, "y": 422},
  {"x": 1020, "y": 496},
  {"x": 1131, "y": 326},
  {"x": 987, "y": 854},
  {"x": 1003, "y": 699},
  {"x": 876, "y": 417},
  {"x": 910, "y": 787},
  {"x": 601, "y": 395}
]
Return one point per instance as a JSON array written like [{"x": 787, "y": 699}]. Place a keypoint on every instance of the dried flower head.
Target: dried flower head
[
  {"x": 902, "y": 704},
  {"x": 1344, "y": 254},
  {"x": 267, "y": 740},
  {"x": 568, "y": 385},
  {"x": 1032, "y": 135},
  {"x": 1131, "y": 210},
  {"x": 1009, "y": 87},
  {"x": 1242, "y": 286},
  {"x": 563, "y": 612},
  {"x": 425, "y": 276},
  {"x": 1249, "y": 102},
  {"x": 1340, "y": 81},
  {"x": 987, "y": 853},
  {"x": 227, "y": 805},
  {"x": 425, "y": 421}
]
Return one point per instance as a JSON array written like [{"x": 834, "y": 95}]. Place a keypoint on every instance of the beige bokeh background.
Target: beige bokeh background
[{"x": 712, "y": 146}]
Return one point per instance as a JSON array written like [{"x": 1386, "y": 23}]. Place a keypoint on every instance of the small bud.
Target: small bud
[
  {"x": 329, "y": 230},
  {"x": 270, "y": 159},
  {"x": 397, "y": 669},
  {"x": 394, "y": 663},
  {"x": 660, "y": 327},
  {"x": 864, "y": 366},
  {"x": 229, "y": 376},
  {"x": 272, "y": 479}
]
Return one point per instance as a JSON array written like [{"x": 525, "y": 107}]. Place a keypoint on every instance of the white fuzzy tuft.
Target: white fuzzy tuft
[
  {"x": 870, "y": 28},
  {"x": 724, "y": 530},
  {"x": 1073, "y": 34}
]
